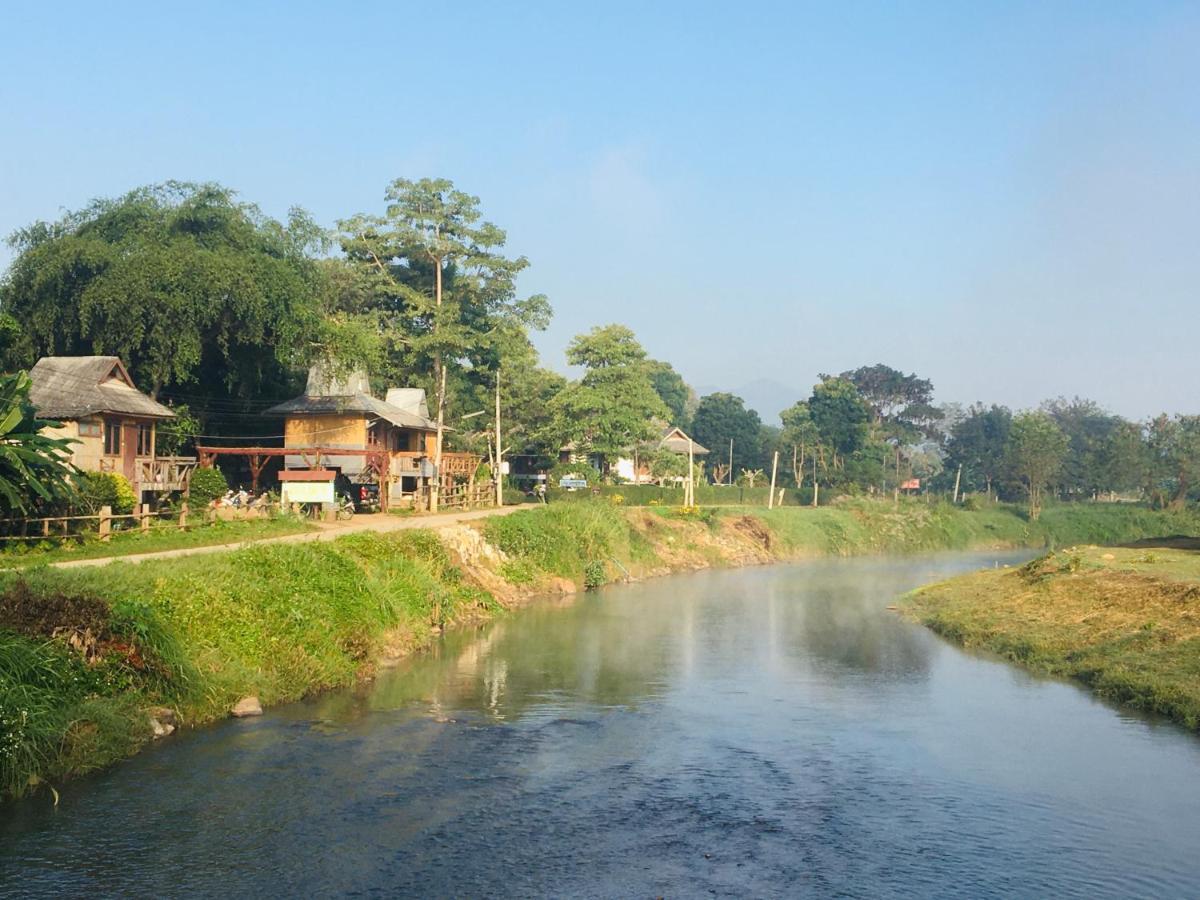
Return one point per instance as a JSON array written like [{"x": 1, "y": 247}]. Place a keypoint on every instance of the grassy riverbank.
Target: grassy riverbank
[
  {"x": 88, "y": 655},
  {"x": 1125, "y": 621}
]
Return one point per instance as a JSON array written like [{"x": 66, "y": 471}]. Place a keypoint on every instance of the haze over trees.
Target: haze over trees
[{"x": 219, "y": 309}]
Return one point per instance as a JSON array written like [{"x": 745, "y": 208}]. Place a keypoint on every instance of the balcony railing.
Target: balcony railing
[{"x": 158, "y": 473}]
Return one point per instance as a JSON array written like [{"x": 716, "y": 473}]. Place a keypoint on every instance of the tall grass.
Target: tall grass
[{"x": 197, "y": 633}]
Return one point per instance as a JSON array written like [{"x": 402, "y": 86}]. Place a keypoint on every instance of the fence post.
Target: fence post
[
  {"x": 144, "y": 518},
  {"x": 183, "y": 514},
  {"x": 105, "y": 522},
  {"x": 45, "y": 528}
]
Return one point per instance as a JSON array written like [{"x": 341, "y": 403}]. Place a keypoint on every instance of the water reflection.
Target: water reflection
[{"x": 761, "y": 732}]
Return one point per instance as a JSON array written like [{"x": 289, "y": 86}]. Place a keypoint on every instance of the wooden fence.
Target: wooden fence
[
  {"x": 467, "y": 495},
  {"x": 104, "y": 524}
]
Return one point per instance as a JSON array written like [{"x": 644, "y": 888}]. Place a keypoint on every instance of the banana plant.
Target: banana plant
[{"x": 33, "y": 466}]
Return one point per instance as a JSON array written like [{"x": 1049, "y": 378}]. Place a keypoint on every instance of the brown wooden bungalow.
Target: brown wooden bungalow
[
  {"x": 113, "y": 424},
  {"x": 338, "y": 424}
]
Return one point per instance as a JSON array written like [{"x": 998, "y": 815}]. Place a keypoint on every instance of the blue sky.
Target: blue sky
[{"x": 1004, "y": 198}]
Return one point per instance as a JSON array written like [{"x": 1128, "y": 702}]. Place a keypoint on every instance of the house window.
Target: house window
[
  {"x": 112, "y": 438},
  {"x": 89, "y": 429},
  {"x": 373, "y": 436},
  {"x": 145, "y": 440}
]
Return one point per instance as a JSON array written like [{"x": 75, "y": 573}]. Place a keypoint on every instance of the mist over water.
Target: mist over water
[{"x": 755, "y": 732}]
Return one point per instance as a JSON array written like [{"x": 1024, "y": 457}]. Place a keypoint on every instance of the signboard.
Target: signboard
[
  {"x": 571, "y": 483},
  {"x": 305, "y": 492},
  {"x": 913, "y": 484}
]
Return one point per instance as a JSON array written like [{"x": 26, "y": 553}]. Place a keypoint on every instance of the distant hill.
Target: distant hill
[{"x": 766, "y": 397}]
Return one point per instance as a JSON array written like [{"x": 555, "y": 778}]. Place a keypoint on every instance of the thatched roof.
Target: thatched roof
[
  {"x": 349, "y": 395},
  {"x": 72, "y": 387},
  {"x": 676, "y": 441}
]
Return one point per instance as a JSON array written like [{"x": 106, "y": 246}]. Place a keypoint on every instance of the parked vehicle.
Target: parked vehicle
[{"x": 366, "y": 497}]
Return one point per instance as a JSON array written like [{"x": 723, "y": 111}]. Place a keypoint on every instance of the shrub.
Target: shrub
[
  {"x": 207, "y": 485},
  {"x": 594, "y": 575},
  {"x": 97, "y": 489}
]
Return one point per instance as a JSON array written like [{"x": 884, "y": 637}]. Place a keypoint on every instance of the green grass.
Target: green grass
[
  {"x": 128, "y": 543},
  {"x": 85, "y": 652},
  {"x": 196, "y": 634},
  {"x": 1121, "y": 620},
  {"x": 563, "y": 539}
]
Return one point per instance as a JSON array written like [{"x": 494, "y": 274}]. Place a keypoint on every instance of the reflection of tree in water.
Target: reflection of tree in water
[{"x": 622, "y": 646}]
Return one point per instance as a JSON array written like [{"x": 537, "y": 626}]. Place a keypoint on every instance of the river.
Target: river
[{"x": 758, "y": 732}]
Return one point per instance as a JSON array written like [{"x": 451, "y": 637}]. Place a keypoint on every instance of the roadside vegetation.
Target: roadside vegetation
[
  {"x": 87, "y": 656},
  {"x": 159, "y": 538},
  {"x": 1123, "y": 621}
]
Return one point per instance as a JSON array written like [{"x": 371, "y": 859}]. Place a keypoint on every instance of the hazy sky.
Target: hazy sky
[{"x": 1004, "y": 198}]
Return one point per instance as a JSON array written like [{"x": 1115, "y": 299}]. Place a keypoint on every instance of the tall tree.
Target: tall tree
[
  {"x": 1174, "y": 448},
  {"x": 979, "y": 443},
  {"x": 722, "y": 417},
  {"x": 184, "y": 282},
  {"x": 613, "y": 407},
  {"x": 438, "y": 282},
  {"x": 1088, "y": 428},
  {"x": 802, "y": 437},
  {"x": 840, "y": 414},
  {"x": 672, "y": 390},
  {"x": 1036, "y": 450}
]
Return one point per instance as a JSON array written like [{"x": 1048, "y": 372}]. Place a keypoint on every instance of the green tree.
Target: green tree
[
  {"x": 979, "y": 443},
  {"x": 672, "y": 390},
  {"x": 433, "y": 278},
  {"x": 1088, "y": 429},
  {"x": 1036, "y": 450},
  {"x": 808, "y": 455},
  {"x": 1174, "y": 452},
  {"x": 721, "y": 418},
  {"x": 614, "y": 406},
  {"x": 841, "y": 416},
  {"x": 34, "y": 467},
  {"x": 189, "y": 286}
]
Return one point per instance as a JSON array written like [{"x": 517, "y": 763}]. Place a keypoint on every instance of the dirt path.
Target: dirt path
[{"x": 327, "y": 531}]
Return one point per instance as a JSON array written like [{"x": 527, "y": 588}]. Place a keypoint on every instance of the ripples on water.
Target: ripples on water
[{"x": 751, "y": 733}]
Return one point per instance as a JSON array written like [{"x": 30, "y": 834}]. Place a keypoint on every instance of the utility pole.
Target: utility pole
[
  {"x": 729, "y": 477},
  {"x": 957, "y": 480},
  {"x": 774, "y": 468},
  {"x": 689, "y": 499}
]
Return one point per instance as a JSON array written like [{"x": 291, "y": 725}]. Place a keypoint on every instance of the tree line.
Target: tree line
[{"x": 218, "y": 310}]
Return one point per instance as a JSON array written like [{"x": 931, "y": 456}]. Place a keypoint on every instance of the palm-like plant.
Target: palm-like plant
[{"x": 33, "y": 466}]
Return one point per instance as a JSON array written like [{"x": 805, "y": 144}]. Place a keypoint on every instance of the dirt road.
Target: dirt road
[{"x": 327, "y": 531}]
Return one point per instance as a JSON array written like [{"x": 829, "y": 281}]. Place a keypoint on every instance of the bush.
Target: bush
[
  {"x": 594, "y": 575},
  {"x": 207, "y": 485},
  {"x": 97, "y": 489}
]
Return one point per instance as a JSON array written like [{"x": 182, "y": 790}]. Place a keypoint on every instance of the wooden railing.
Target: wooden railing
[
  {"x": 158, "y": 473},
  {"x": 467, "y": 496}
]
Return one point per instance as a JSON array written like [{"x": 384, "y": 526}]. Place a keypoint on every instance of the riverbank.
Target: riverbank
[
  {"x": 1124, "y": 620},
  {"x": 89, "y": 657}
]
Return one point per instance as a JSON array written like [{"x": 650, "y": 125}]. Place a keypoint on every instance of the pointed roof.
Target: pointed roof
[
  {"x": 675, "y": 440},
  {"x": 340, "y": 395},
  {"x": 72, "y": 387}
]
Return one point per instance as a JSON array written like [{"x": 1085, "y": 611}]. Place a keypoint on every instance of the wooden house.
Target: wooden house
[
  {"x": 390, "y": 440},
  {"x": 113, "y": 424},
  {"x": 672, "y": 438}
]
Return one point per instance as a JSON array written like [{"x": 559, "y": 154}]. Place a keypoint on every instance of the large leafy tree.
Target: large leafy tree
[
  {"x": 672, "y": 390},
  {"x": 979, "y": 443},
  {"x": 431, "y": 275},
  {"x": 1037, "y": 448},
  {"x": 34, "y": 467},
  {"x": 613, "y": 407},
  {"x": 1174, "y": 450},
  {"x": 1088, "y": 429},
  {"x": 809, "y": 456},
  {"x": 721, "y": 418},
  {"x": 193, "y": 289},
  {"x": 841, "y": 416}
]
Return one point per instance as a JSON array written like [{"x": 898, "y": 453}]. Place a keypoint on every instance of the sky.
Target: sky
[{"x": 1003, "y": 198}]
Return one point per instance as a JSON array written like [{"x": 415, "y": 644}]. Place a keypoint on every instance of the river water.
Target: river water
[{"x": 758, "y": 732}]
